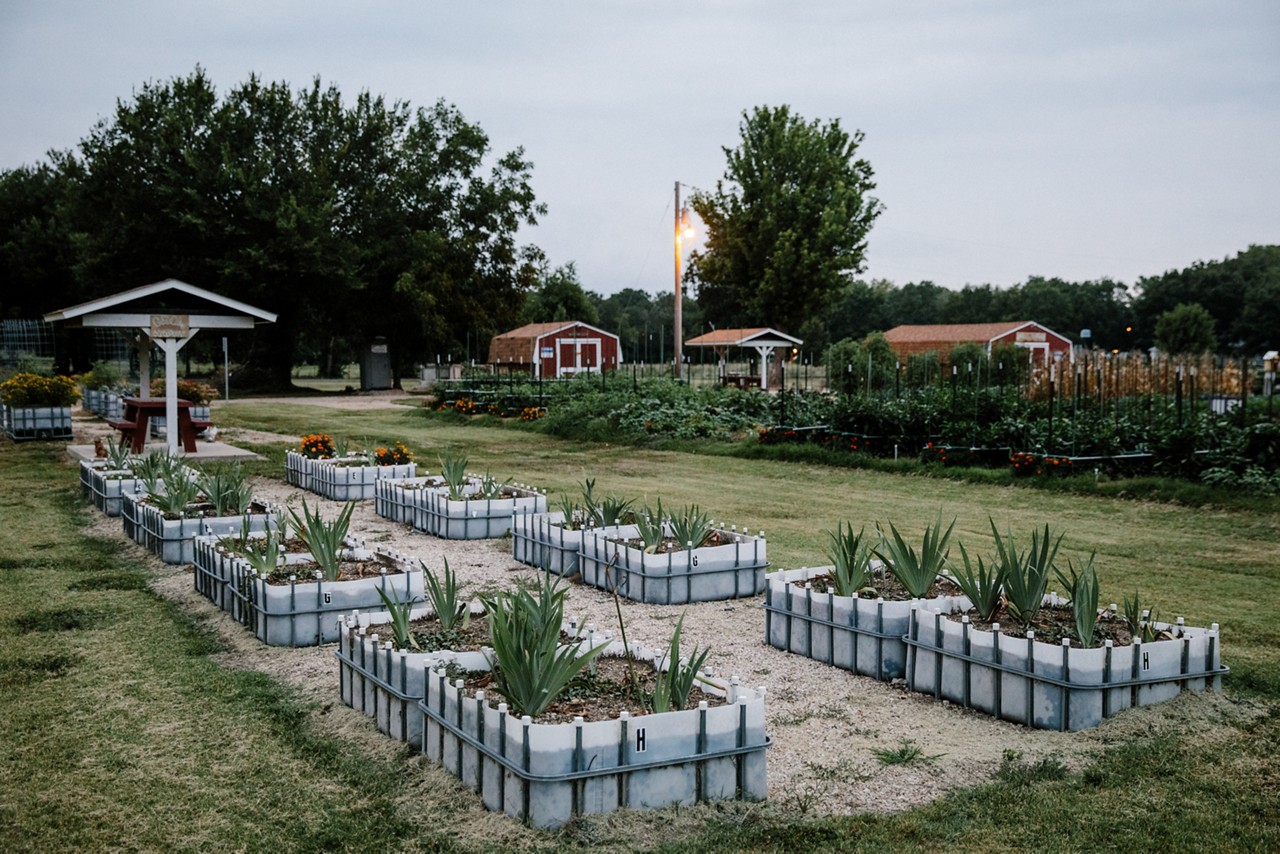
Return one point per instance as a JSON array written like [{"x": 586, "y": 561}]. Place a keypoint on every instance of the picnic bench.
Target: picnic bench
[{"x": 138, "y": 412}]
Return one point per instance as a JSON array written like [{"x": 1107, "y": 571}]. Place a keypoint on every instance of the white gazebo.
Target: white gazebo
[
  {"x": 761, "y": 339},
  {"x": 167, "y": 314}
]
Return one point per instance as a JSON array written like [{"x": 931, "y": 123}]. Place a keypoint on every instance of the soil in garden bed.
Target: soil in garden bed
[
  {"x": 1052, "y": 624},
  {"x": 348, "y": 570},
  {"x": 671, "y": 544},
  {"x": 604, "y": 695},
  {"x": 203, "y": 509},
  {"x": 886, "y": 586}
]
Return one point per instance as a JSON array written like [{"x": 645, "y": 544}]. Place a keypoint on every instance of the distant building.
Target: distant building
[
  {"x": 557, "y": 349},
  {"x": 941, "y": 338}
]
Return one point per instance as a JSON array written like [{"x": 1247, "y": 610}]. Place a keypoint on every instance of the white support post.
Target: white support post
[
  {"x": 765, "y": 353},
  {"x": 171, "y": 346}
]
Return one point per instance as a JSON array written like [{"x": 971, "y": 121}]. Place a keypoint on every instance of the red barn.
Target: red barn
[
  {"x": 940, "y": 338},
  {"x": 557, "y": 349}
]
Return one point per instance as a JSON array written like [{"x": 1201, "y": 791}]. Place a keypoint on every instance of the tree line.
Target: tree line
[{"x": 363, "y": 218}]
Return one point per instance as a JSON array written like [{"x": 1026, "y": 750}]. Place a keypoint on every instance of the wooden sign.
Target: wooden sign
[
  {"x": 170, "y": 326},
  {"x": 1029, "y": 336}
]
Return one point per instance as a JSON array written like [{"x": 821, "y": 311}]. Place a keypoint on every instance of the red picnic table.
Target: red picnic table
[{"x": 138, "y": 412}]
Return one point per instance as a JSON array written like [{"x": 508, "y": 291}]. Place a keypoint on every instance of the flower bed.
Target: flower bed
[
  {"x": 864, "y": 636},
  {"x": 472, "y": 518},
  {"x": 387, "y": 684},
  {"x": 546, "y": 774},
  {"x": 1049, "y": 686},
  {"x": 341, "y": 478},
  {"x": 542, "y": 540},
  {"x": 730, "y": 570},
  {"x": 304, "y": 612}
]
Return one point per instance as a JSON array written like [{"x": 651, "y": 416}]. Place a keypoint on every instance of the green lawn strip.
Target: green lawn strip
[{"x": 120, "y": 732}]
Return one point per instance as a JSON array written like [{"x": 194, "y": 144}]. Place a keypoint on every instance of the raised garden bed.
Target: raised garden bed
[
  {"x": 865, "y": 636},
  {"x": 471, "y": 518},
  {"x": 108, "y": 487},
  {"x": 387, "y": 684},
  {"x": 305, "y": 611},
  {"x": 732, "y": 569},
  {"x": 36, "y": 422},
  {"x": 547, "y": 774},
  {"x": 172, "y": 540},
  {"x": 398, "y": 499},
  {"x": 541, "y": 540},
  {"x": 341, "y": 478},
  {"x": 1055, "y": 686}
]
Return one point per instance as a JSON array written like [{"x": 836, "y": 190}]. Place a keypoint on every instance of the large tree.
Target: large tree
[
  {"x": 348, "y": 220},
  {"x": 1186, "y": 329},
  {"x": 787, "y": 225}
]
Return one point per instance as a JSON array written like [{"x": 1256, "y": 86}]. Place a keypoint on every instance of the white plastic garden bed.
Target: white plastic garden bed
[
  {"x": 398, "y": 499},
  {"x": 387, "y": 684},
  {"x": 171, "y": 540},
  {"x": 36, "y": 422},
  {"x": 864, "y": 636},
  {"x": 541, "y": 540},
  {"x": 343, "y": 478},
  {"x": 546, "y": 774},
  {"x": 474, "y": 518},
  {"x": 704, "y": 574},
  {"x": 109, "y": 486},
  {"x": 1049, "y": 686},
  {"x": 306, "y": 611}
]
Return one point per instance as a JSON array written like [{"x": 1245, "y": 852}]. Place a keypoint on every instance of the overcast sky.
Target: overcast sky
[{"x": 1008, "y": 139}]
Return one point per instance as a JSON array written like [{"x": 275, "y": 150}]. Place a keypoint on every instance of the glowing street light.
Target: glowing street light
[{"x": 683, "y": 229}]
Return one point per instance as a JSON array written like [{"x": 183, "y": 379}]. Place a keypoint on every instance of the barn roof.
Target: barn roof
[
  {"x": 958, "y": 333},
  {"x": 532, "y": 331}
]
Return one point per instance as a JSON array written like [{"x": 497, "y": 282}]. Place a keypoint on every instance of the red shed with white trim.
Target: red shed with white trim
[
  {"x": 940, "y": 338},
  {"x": 557, "y": 349}
]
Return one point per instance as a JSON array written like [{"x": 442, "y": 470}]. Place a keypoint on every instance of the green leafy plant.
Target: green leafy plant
[
  {"x": 263, "y": 553},
  {"x": 451, "y": 610},
  {"x": 531, "y": 666},
  {"x": 1026, "y": 575},
  {"x": 649, "y": 528},
  {"x": 1141, "y": 621},
  {"x": 905, "y": 753},
  {"x": 323, "y": 539},
  {"x": 177, "y": 494},
  {"x": 916, "y": 572},
  {"x": 491, "y": 488},
  {"x": 850, "y": 556},
  {"x": 574, "y": 515},
  {"x": 1082, "y": 585},
  {"x": 612, "y": 510},
  {"x": 237, "y": 541},
  {"x": 690, "y": 526},
  {"x": 227, "y": 489},
  {"x": 152, "y": 469},
  {"x": 676, "y": 681},
  {"x": 119, "y": 456},
  {"x": 983, "y": 584},
  {"x": 453, "y": 468},
  {"x": 401, "y": 615},
  {"x": 282, "y": 521}
]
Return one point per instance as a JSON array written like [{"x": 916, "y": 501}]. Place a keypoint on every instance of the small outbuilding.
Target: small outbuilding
[
  {"x": 762, "y": 339},
  {"x": 557, "y": 349},
  {"x": 1043, "y": 342}
]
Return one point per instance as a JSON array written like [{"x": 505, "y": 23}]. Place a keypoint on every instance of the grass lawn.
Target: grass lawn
[{"x": 121, "y": 729}]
